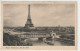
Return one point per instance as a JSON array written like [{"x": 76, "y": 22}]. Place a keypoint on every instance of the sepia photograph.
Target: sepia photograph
[{"x": 39, "y": 24}]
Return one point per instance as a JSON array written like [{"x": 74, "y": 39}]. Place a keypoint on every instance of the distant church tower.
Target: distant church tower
[{"x": 29, "y": 21}]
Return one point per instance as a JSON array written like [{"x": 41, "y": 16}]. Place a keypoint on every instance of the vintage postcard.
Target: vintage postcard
[{"x": 39, "y": 25}]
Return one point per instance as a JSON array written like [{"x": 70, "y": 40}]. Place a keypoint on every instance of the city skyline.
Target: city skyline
[{"x": 15, "y": 15}]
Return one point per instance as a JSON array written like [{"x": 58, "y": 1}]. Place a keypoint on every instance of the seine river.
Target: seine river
[{"x": 36, "y": 42}]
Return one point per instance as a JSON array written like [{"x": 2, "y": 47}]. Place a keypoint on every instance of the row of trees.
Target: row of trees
[{"x": 12, "y": 40}]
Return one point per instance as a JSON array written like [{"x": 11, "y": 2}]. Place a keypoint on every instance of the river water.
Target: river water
[{"x": 36, "y": 42}]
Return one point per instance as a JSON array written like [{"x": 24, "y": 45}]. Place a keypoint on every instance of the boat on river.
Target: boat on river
[{"x": 50, "y": 40}]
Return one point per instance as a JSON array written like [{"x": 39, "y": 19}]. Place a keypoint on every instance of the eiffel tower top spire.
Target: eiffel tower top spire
[{"x": 29, "y": 17}]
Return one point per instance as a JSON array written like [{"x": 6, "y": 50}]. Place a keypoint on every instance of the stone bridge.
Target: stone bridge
[{"x": 40, "y": 36}]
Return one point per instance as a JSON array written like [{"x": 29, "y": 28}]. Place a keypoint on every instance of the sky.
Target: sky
[{"x": 15, "y": 15}]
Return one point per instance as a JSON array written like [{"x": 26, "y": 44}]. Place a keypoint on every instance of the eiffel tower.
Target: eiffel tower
[{"x": 29, "y": 21}]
